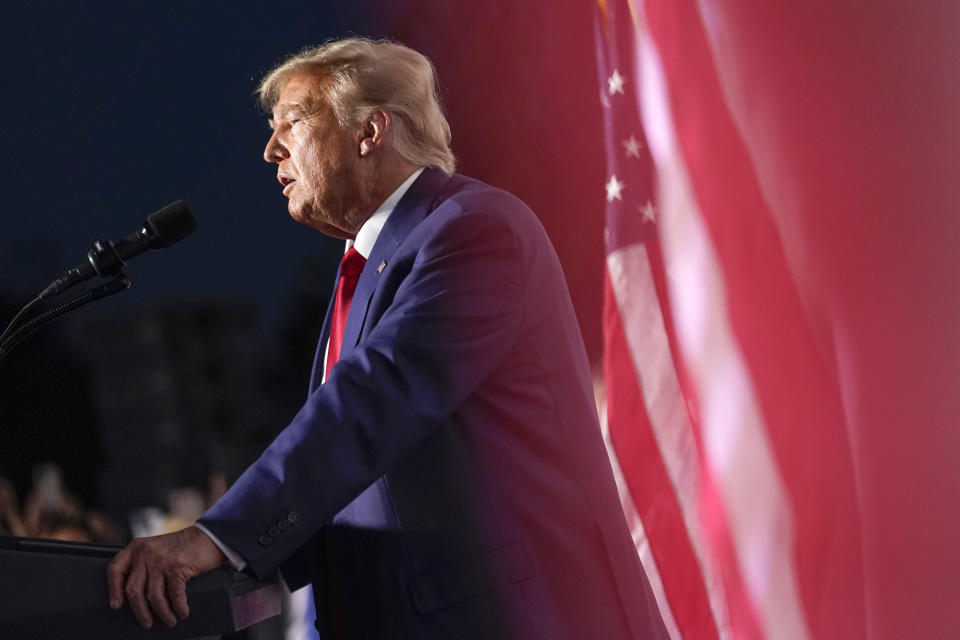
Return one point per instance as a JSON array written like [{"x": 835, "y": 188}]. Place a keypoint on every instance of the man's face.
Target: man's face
[{"x": 318, "y": 161}]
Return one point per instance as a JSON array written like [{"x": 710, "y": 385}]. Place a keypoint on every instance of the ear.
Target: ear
[{"x": 374, "y": 132}]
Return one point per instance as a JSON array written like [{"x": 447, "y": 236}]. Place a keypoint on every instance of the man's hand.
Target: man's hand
[{"x": 152, "y": 573}]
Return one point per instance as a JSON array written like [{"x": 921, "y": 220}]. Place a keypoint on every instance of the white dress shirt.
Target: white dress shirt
[{"x": 363, "y": 243}]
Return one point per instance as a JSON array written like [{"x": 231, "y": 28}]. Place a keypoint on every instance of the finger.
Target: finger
[
  {"x": 157, "y": 595},
  {"x": 177, "y": 590},
  {"x": 134, "y": 590},
  {"x": 116, "y": 572}
]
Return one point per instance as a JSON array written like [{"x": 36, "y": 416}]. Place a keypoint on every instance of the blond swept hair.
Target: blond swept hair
[{"x": 365, "y": 75}]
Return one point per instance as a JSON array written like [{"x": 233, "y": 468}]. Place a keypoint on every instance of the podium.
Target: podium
[{"x": 51, "y": 590}]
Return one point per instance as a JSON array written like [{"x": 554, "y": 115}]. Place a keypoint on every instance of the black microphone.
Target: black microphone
[{"x": 160, "y": 230}]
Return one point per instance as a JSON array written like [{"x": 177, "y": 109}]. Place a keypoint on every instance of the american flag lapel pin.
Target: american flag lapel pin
[{"x": 383, "y": 263}]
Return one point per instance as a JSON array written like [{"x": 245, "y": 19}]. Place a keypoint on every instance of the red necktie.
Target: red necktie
[{"x": 350, "y": 267}]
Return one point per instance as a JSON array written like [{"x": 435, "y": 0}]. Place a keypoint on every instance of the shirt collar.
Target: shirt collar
[{"x": 370, "y": 231}]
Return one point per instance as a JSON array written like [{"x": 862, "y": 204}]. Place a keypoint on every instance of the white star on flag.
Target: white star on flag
[
  {"x": 614, "y": 188},
  {"x": 648, "y": 212},
  {"x": 615, "y": 83},
  {"x": 632, "y": 147}
]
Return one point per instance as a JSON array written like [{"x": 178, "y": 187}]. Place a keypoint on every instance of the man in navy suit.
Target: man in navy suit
[{"x": 446, "y": 477}]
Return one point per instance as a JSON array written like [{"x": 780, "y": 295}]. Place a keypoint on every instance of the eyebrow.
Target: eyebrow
[{"x": 282, "y": 110}]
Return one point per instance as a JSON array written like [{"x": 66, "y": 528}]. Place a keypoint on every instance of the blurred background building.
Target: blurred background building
[{"x": 182, "y": 391}]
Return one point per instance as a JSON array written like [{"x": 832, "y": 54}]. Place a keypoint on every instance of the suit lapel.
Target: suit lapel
[{"x": 416, "y": 203}]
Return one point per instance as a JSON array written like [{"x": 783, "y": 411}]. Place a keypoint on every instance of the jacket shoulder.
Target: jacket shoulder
[{"x": 465, "y": 196}]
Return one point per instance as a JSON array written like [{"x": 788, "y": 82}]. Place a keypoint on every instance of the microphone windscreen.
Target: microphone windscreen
[{"x": 171, "y": 224}]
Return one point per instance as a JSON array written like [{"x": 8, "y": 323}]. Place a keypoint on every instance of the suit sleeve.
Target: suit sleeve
[{"x": 453, "y": 318}]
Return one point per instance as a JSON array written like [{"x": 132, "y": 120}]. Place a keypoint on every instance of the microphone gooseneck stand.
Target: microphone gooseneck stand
[
  {"x": 105, "y": 259},
  {"x": 17, "y": 331},
  {"x": 104, "y": 262}
]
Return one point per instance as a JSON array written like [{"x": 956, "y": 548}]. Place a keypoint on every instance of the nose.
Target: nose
[{"x": 274, "y": 151}]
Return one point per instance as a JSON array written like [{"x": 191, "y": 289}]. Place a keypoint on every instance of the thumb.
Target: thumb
[
  {"x": 177, "y": 593},
  {"x": 116, "y": 572}
]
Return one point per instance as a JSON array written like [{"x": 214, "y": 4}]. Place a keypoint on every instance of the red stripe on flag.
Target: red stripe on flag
[{"x": 653, "y": 495}]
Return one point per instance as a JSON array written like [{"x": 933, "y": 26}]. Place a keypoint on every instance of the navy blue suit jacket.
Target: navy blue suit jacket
[{"x": 449, "y": 479}]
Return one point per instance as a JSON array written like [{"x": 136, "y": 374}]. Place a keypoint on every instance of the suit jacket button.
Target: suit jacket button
[
  {"x": 293, "y": 517},
  {"x": 273, "y": 531},
  {"x": 265, "y": 540},
  {"x": 282, "y": 524}
]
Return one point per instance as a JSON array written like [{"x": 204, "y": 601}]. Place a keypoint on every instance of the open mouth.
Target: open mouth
[{"x": 286, "y": 182}]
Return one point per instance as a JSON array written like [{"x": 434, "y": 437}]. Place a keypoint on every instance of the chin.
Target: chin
[
  {"x": 299, "y": 217},
  {"x": 300, "y": 213}
]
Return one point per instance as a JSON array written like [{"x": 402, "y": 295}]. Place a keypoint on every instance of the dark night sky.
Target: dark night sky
[{"x": 114, "y": 109}]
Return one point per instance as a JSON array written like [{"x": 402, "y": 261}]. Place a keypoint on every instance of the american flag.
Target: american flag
[
  {"x": 647, "y": 421},
  {"x": 725, "y": 422}
]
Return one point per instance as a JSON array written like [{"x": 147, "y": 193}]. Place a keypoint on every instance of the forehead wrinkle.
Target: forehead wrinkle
[
  {"x": 310, "y": 91},
  {"x": 288, "y": 107}
]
